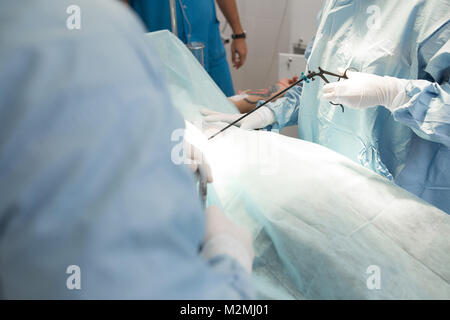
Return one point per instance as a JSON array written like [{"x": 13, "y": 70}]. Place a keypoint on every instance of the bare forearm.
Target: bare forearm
[
  {"x": 248, "y": 100},
  {"x": 230, "y": 11}
]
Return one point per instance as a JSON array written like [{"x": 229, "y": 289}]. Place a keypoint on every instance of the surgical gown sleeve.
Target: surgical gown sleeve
[
  {"x": 91, "y": 204},
  {"x": 286, "y": 108},
  {"x": 428, "y": 110}
]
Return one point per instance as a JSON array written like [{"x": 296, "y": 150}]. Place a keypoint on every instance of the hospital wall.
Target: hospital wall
[{"x": 272, "y": 27}]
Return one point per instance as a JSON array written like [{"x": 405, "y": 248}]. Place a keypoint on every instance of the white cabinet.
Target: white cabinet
[{"x": 290, "y": 65}]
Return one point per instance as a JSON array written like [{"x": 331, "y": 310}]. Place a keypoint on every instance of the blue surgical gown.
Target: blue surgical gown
[
  {"x": 403, "y": 39},
  {"x": 86, "y": 176},
  {"x": 196, "y": 21}
]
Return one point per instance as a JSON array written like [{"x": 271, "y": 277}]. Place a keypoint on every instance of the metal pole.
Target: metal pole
[{"x": 173, "y": 17}]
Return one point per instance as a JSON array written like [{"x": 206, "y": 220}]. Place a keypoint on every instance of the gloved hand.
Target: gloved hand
[
  {"x": 197, "y": 161},
  {"x": 225, "y": 237},
  {"x": 363, "y": 90},
  {"x": 257, "y": 120}
]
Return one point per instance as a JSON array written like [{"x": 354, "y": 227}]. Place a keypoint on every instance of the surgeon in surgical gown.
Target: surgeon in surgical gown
[
  {"x": 91, "y": 205},
  {"x": 397, "y": 104}
]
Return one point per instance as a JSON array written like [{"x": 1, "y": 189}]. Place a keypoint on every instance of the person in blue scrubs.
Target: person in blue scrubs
[
  {"x": 197, "y": 22},
  {"x": 397, "y": 106},
  {"x": 91, "y": 205}
]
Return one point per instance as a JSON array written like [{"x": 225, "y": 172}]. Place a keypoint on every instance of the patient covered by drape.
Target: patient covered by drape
[{"x": 323, "y": 226}]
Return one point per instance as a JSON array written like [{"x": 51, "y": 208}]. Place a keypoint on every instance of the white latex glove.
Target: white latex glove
[
  {"x": 363, "y": 90},
  {"x": 197, "y": 162},
  {"x": 225, "y": 237},
  {"x": 259, "y": 119}
]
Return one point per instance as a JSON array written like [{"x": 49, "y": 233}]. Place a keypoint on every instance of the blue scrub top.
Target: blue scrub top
[{"x": 197, "y": 21}]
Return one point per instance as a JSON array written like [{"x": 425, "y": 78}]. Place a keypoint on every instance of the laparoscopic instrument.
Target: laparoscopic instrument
[
  {"x": 202, "y": 180},
  {"x": 311, "y": 76}
]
